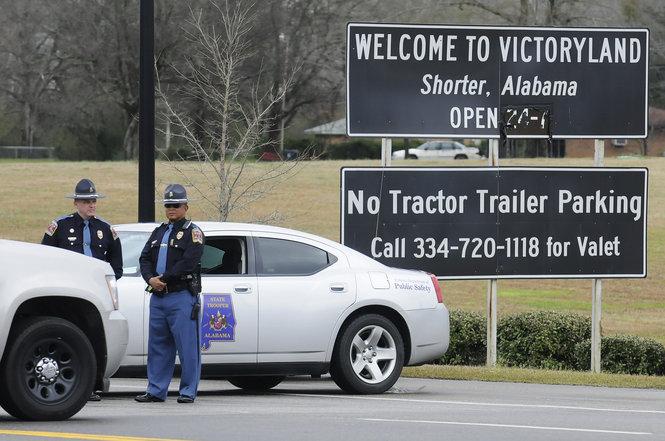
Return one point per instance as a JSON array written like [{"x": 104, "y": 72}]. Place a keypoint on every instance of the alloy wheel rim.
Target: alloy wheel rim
[{"x": 373, "y": 354}]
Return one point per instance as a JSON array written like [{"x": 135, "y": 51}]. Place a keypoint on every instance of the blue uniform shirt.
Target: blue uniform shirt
[
  {"x": 67, "y": 232},
  {"x": 185, "y": 248}
]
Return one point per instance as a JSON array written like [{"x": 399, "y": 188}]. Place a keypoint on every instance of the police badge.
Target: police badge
[
  {"x": 100, "y": 234},
  {"x": 179, "y": 235}
]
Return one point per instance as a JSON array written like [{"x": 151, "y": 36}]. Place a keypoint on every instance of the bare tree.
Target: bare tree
[
  {"x": 31, "y": 59},
  {"x": 103, "y": 36},
  {"x": 221, "y": 117},
  {"x": 309, "y": 34}
]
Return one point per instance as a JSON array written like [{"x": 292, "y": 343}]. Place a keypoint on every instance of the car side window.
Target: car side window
[
  {"x": 280, "y": 257},
  {"x": 446, "y": 146},
  {"x": 132, "y": 244},
  {"x": 224, "y": 256}
]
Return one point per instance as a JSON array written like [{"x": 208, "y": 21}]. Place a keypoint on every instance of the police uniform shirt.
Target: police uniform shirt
[
  {"x": 67, "y": 233},
  {"x": 185, "y": 248}
]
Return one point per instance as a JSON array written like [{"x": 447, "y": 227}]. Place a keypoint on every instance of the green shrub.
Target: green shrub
[
  {"x": 357, "y": 149},
  {"x": 625, "y": 354},
  {"x": 549, "y": 340},
  {"x": 542, "y": 339},
  {"x": 468, "y": 339}
]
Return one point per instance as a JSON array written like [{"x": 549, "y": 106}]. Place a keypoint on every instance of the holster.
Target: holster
[
  {"x": 195, "y": 310},
  {"x": 193, "y": 282}
]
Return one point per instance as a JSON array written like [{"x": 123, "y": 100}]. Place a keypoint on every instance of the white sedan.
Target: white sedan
[
  {"x": 439, "y": 150},
  {"x": 280, "y": 302}
]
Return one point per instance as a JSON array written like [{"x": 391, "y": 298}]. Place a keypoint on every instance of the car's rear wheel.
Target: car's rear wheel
[
  {"x": 461, "y": 157},
  {"x": 256, "y": 383},
  {"x": 49, "y": 370},
  {"x": 411, "y": 157},
  {"x": 369, "y": 355}
]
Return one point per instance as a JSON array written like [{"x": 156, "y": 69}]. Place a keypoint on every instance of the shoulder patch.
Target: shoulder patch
[
  {"x": 114, "y": 233},
  {"x": 197, "y": 235},
  {"x": 50, "y": 230}
]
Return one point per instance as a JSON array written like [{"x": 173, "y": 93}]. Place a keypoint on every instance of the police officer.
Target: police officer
[
  {"x": 170, "y": 264},
  {"x": 85, "y": 233}
]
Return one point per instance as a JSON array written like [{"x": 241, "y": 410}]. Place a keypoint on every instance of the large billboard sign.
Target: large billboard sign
[
  {"x": 466, "y": 81},
  {"x": 508, "y": 222}
]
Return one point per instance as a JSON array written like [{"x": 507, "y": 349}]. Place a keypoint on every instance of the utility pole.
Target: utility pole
[{"x": 146, "y": 207}]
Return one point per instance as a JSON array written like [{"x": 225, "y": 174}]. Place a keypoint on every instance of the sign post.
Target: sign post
[
  {"x": 492, "y": 284},
  {"x": 386, "y": 151},
  {"x": 597, "y": 287}
]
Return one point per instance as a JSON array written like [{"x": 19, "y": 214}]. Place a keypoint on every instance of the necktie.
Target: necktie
[
  {"x": 163, "y": 249},
  {"x": 86, "y": 239}
]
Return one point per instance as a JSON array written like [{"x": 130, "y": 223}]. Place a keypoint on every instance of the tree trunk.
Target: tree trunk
[
  {"x": 28, "y": 129},
  {"x": 128, "y": 143}
]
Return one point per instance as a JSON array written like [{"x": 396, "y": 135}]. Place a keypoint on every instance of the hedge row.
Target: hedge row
[{"x": 549, "y": 340}]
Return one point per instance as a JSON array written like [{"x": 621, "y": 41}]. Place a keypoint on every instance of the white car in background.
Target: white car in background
[
  {"x": 439, "y": 150},
  {"x": 61, "y": 334},
  {"x": 279, "y": 302}
]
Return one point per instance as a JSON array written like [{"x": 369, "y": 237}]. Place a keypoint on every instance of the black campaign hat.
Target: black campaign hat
[
  {"x": 175, "y": 194},
  {"x": 85, "y": 189}
]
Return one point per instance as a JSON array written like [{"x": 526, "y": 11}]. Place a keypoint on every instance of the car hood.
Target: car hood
[{"x": 15, "y": 256}]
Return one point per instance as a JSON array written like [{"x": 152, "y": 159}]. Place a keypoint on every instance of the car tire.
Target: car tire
[
  {"x": 256, "y": 383},
  {"x": 49, "y": 370},
  {"x": 369, "y": 355},
  {"x": 411, "y": 157},
  {"x": 461, "y": 157}
]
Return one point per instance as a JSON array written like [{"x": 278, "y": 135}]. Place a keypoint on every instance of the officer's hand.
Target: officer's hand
[{"x": 157, "y": 284}]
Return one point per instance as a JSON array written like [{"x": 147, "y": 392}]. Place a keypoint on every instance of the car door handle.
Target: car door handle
[
  {"x": 242, "y": 289},
  {"x": 338, "y": 287}
]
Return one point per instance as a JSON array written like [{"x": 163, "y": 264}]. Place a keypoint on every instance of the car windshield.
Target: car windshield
[{"x": 132, "y": 245}]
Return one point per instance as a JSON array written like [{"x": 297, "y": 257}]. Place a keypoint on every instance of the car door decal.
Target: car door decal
[{"x": 218, "y": 320}]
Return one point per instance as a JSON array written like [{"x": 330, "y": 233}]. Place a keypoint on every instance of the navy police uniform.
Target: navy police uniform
[
  {"x": 100, "y": 241},
  {"x": 174, "y": 324}
]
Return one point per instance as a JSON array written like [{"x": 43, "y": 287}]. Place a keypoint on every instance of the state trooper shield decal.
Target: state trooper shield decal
[{"x": 218, "y": 320}]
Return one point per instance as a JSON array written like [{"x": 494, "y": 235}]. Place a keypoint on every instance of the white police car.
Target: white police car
[{"x": 280, "y": 302}]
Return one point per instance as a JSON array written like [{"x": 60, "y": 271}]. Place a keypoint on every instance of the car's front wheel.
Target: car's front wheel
[
  {"x": 369, "y": 355},
  {"x": 256, "y": 383},
  {"x": 49, "y": 370},
  {"x": 461, "y": 157}
]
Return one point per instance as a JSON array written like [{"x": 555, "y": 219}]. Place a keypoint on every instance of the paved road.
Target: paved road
[{"x": 415, "y": 409}]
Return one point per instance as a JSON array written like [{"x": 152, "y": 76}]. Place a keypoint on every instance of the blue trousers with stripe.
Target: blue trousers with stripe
[{"x": 173, "y": 330}]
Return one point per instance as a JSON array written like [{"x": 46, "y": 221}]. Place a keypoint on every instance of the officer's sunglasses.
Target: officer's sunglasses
[{"x": 172, "y": 205}]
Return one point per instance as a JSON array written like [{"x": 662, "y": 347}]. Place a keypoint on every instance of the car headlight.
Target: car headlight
[{"x": 113, "y": 290}]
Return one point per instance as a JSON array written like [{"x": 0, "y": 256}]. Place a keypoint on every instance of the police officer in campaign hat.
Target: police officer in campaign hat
[
  {"x": 170, "y": 264},
  {"x": 85, "y": 233}
]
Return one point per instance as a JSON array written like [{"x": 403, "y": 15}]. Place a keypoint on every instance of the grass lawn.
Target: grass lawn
[
  {"x": 540, "y": 376},
  {"x": 33, "y": 194}
]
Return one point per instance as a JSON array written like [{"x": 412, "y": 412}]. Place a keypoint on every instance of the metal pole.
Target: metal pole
[
  {"x": 386, "y": 151},
  {"x": 597, "y": 284},
  {"x": 492, "y": 285},
  {"x": 146, "y": 207}
]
